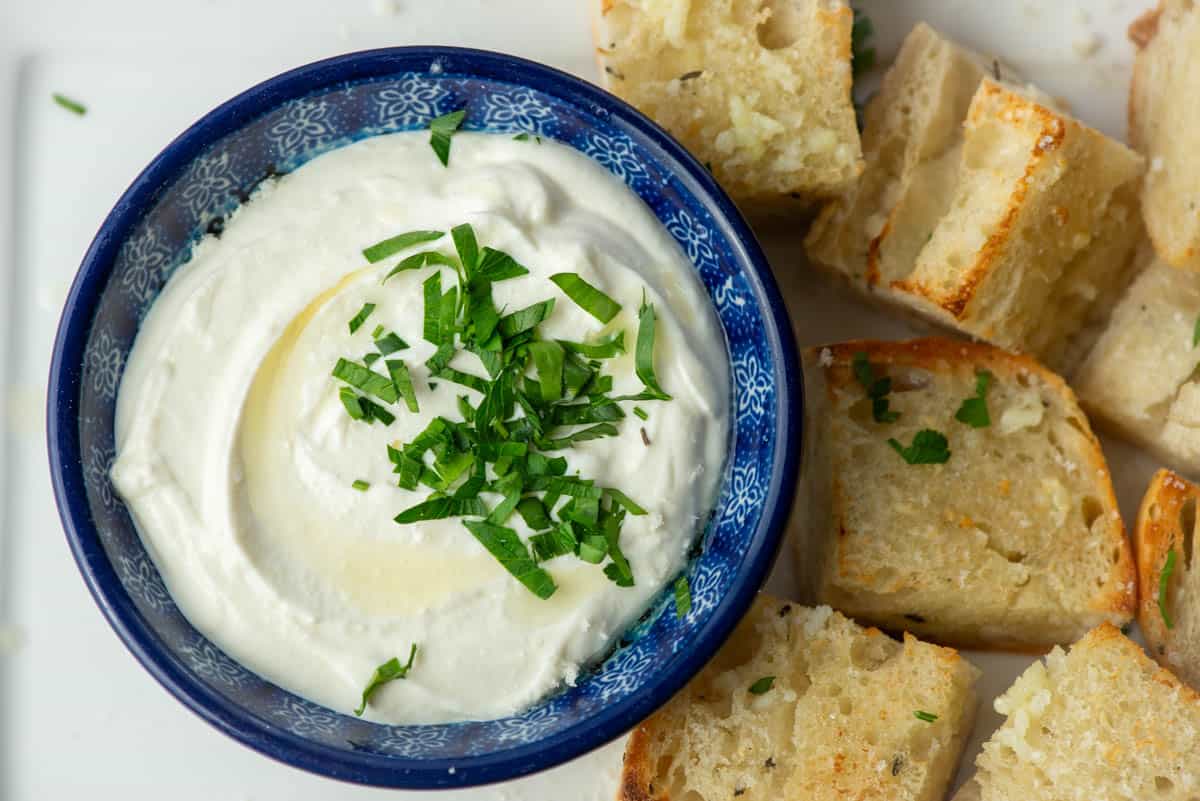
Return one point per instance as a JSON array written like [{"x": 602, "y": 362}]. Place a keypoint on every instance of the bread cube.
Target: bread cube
[
  {"x": 803, "y": 703},
  {"x": 983, "y": 208},
  {"x": 1011, "y": 541},
  {"x": 759, "y": 92}
]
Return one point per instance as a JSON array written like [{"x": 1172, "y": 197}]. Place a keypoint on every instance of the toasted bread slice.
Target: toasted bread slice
[
  {"x": 1140, "y": 377},
  {"x": 983, "y": 208},
  {"x": 838, "y": 720},
  {"x": 1165, "y": 127},
  {"x": 1101, "y": 721},
  {"x": 759, "y": 92},
  {"x": 1012, "y": 542},
  {"x": 1167, "y": 525}
]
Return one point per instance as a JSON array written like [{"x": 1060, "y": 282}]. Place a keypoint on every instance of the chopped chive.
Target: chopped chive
[
  {"x": 1196, "y": 333},
  {"x": 583, "y": 435},
  {"x": 593, "y": 548},
  {"x": 1164, "y": 581},
  {"x": 357, "y": 320},
  {"x": 440, "y": 131},
  {"x": 641, "y": 413},
  {"x": 439, "y": 508},
  {"x": 763, "y": 685},
  {"x": 559, "y": 541},
  {"x": 432, "y": 288},
  {"x": 683, "y": 597},
  {"x": 73, "y": 106},
  {"x": 465, "y": 379},
  {"x": 371, "y": 358},
  {"x": 376, "y": 412},
  {"x": 360, "y": 485},
  {"x": 586, "y": 296},
  {"x": 525, "y": 319},
  {"x": 548, "y": 361},
  {"x": 496, "y": 265},
  {"x": 533, "y": 512},
  {"x": 390, "y": 247},
  {"x": 624, "y": 501},
  {"x": 352, "y": 402},
  {"x": 467, "y": 246},
  {"x": 928, "y": 717},
  {"x": 390, "y": 670},
  {"x": 379, "y": 329},
  {"x": 605, "y": 349},
  {"x": 504, "y": 544}
]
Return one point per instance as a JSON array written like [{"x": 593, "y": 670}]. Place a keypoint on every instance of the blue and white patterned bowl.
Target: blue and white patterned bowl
[{"x": 274, "y": 128}]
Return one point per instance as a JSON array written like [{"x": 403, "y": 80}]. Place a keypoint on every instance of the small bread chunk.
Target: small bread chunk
[
  {"x": 1165, "y": 127},
  {"x": 1167, "y": 524},
  {"x": 983, "y": 208},
  {"x": 1012, "y": 542},
  {"x": 1099, "y": 722},
  {"x": 758, "y": 91},
  {"x": 836, "y": 718},
  {"x": 1140, "y": 377}
]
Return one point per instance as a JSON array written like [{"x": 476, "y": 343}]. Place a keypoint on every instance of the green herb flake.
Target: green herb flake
[
  {"x": 389, "y": 343},
  {"x": 73, "y": 106},
  {"x": 443, "y": 507},
  {"x": 1196, "y": 333},
  {"x": 390, "y": 670},
  {"x": 683, "y": 597},
  {"x": 641, "y": 413},
  {"x": 1164, "y": 581},
  {"x": 357, "y": 320},
  {"x": 644, "y": 352},
  {"x": 928, "y": 717},
  {"x": 363, "y": 378},
  {"x": 862, "y": 56},
  {"x": 360, "y": 485},
  {"x": 352, "y": 402},
  {"x": 390, "y": 247},
  {"x": 762, "y": 686},
  {"x": 504, "y": 544},
  {"x": 928, "y": 447},
  {"x": 440, "y": 131},
  {"x": 586, "y": 296},
  {"x": 974, "y": 410},
  {"x": 402, "y": 381},
  {"x": 426, "y": 258},
  {"x": 877, "y": 388}
]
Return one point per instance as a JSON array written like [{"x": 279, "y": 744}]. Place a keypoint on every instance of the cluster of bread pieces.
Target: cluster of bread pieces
[{"x": 953, "y": 490}]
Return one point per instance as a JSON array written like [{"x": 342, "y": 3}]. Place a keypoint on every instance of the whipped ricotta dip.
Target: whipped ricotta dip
[{"x": 269, "y": 510}]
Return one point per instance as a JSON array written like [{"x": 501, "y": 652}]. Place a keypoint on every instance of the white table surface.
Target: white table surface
[{"x": 76, "y": 711}]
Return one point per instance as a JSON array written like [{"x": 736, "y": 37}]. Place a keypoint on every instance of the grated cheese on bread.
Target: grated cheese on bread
[
  {"x": 1167, "y": 524},
  {"x": 983, "y": 208},
  {"x": 838, "y": 721},
  {"x": 1140, "y": 378},
  {"x": 1014, "y": 542},
  {"x": 1101, "y": 721},
  {"x": 758, "y": 91},
  {"x": 1163, "y": 126}
]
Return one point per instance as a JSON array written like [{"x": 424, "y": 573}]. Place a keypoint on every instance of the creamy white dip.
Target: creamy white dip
[{"x": 237, "y": 458}]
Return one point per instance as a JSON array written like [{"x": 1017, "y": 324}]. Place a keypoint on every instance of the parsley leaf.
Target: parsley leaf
[
  {"x": 363, "y": 378},
  {"x": 683, "y": 597},
  {"x": 440, "y": 131},
  {"x": 504, "y": 544},
  {"x": 390, "y": 670},
  {"x": 877, "y": 389},
  {"x": 1164, "y": 581},
  {"x": 763, "y": 685},
  {"x": 974, "y": 410},
  {"x": 928, "y": 447},
  {"x": 390, "y": 247},
  {"x": 586, "y": 296}
]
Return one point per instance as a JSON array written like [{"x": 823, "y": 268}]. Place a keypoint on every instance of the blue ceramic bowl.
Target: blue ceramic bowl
[{"x": 277, "y": 126}]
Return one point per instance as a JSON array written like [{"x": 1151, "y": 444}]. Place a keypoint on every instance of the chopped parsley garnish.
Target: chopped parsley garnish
[
  {"x": 974, "y": 410},
  {"x": 928, "y": 447},
  {"x": 1164, "y": 581},
  {"x": 683, "y": 597},
  {"x": 928, "y": 717},
  {"x": 877, "y": 389},
  {"x": 390, "y": 670},
  {"x": 862, "y": 56},
  {"x": 360, "y": 318},
  {"x": 390, "y": 247},
  {"x": 440, "y": 131},
  {"x": 360, "y": 485},
  {"x": 535, "y": 396},
  {"x": 586, "y": 296},
  {"x": 525, "y": 137},
  {"x": 763, "y": 685},
  {"x": 73, "y": 106}
]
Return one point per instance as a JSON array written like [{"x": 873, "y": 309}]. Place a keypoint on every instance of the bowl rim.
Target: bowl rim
[{"x": 62, "y": 426}]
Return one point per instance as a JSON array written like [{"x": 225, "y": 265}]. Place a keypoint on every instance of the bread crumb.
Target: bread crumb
[
  {"x": 1087, "y": 45},
  {"x": 825, "y": 359},
  {"x": 1156, "y": 164}
]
